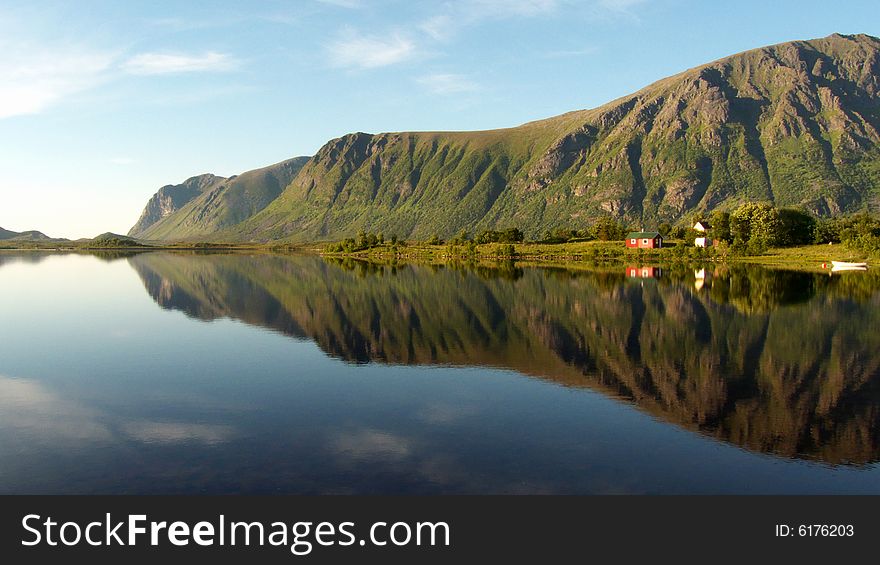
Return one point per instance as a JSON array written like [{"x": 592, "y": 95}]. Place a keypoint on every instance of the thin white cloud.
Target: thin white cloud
[
  {"x": 32, "y": 80},
  {"x": 618, "y": 9},
  {"x": 370, "y": 52},
  {"x": 619, "y": 5},
  {"x": 351, "y": 4},
  {"x": 175, "y": 63},
  {"x": 438, "y": 27},
  {"x": 461, "y": 13},
  {"x": 501, "y": 8},
  {"x": 447, "y": 83}
]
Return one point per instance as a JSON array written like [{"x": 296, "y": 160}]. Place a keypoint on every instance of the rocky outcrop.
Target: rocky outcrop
[
  {"x": 171, "y": 198},
  {"x": 201, "y": 210}
]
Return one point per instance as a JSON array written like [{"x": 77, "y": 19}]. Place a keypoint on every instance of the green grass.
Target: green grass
[{"x": 806, "y": 257}]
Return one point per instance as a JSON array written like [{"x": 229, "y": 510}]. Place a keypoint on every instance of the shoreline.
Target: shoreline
[{"x": 808, "y": 257}]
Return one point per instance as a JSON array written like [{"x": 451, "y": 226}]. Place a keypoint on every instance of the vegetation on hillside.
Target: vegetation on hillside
[{"x": 794, "y": 124}]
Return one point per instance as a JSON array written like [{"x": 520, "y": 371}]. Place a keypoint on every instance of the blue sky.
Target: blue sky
[{"x": 101, "y": 103}]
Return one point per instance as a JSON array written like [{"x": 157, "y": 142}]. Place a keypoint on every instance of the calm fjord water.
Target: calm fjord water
[{"x": 186, "y": 373}]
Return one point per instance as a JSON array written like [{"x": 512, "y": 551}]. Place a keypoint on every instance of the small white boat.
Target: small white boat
[{"x": 845, "y": 265}]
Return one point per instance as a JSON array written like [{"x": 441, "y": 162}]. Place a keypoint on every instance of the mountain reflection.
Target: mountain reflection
[{"x": 773, "y": 361}]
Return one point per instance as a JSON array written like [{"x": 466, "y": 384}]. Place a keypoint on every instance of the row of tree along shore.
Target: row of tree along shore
[{"x": 751, "y": 230}]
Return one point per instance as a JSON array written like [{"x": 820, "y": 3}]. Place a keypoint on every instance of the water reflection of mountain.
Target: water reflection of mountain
[{"x": 776, "y": 362}]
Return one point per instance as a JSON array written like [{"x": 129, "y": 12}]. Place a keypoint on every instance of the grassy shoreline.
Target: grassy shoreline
[
  {"x": 806, "y": 257},
  {"x": 803, "y": 257}
]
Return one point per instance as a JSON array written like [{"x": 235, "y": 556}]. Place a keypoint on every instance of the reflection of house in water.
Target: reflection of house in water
[
  {"x": 699, "y": 278},
  {"x": 644, "y": 272}
]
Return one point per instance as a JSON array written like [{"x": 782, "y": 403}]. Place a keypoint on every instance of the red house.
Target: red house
[{"x": 644, "y": 239}]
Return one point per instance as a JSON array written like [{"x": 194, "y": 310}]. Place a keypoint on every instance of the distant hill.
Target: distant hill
[
  {"x": 205, "y": 204},
  {"x": 32, "y": 235},
  {"x": 110, "y": 239},
  {"x": 795, "y": 124}
]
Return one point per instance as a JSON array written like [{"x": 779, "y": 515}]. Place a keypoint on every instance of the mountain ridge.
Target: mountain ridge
[
  {"x": 217, "y": 202},
  {"x": 795, "y": 124},
  {"x": 29, "y": 235}
]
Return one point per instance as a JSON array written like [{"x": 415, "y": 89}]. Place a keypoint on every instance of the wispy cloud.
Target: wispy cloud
[
  {"x": 342, "y": 3},
  {"x": 512, "y": 7},
  {"x": 619, "y": 5},
  {"x": 32, "y": 80},
  {"x": 370, "y": 52},
  {"x": 462, "y": 13},
  {"x": 175, "y": 63},
  {"x": 618, "y": 9},
  {"x": 447, "y": 83},
  {"x": 437, "y": 27}
]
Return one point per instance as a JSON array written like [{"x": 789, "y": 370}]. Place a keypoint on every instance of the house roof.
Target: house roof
[
  {"x": 703, "y": 223},
  {"x": 643, "y": 235}
]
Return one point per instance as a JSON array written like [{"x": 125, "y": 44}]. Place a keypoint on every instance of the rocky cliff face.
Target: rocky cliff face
[
  {"x": 169, "y": 199},
  {"x": 219, "y": 204}
]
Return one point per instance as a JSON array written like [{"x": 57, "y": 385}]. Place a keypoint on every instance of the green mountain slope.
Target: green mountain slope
[
  {"x": 220, "y": 203},
  {"x": 795, "y": 124}
]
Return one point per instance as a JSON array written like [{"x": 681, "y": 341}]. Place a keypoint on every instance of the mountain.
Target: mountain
[
  {"x": 204, "y": 204},
  {"x": 795, "y": 124},
  {"x": 32, "y": 235},
  {"x": 170, "y": 198}
]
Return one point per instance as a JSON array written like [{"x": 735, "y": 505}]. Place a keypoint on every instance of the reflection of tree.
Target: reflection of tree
[
  {"x": 753, "y": 290},
  {"x": 791, "y": 368}
]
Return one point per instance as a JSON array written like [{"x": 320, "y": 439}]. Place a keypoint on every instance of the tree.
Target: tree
[
  {"x": 607, "y": 229},
  {"x": 861, "y": 232},
  {"x": 511, "y": 235},
  {"x": 826, "y": 231},
  {"x": 720, "y": 221},
  {"x": 797, "y": 227},
  {"x": 756, "y": 226},
  {"x": 664, "y": 229},
  {"x": 678, "y": 232}
]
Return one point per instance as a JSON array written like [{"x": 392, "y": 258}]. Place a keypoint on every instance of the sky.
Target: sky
[{"x": 102, "y": 103}]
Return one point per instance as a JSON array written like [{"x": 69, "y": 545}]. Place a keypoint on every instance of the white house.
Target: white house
[{"x": 705, "y": 240}]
